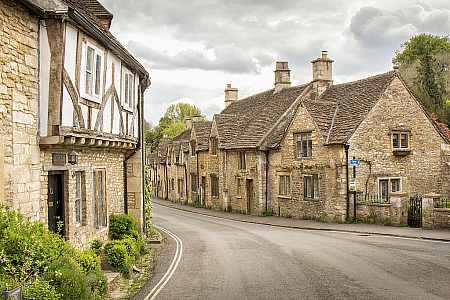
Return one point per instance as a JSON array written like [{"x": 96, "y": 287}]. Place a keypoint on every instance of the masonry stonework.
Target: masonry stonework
[{"x": 19, "y": 107}]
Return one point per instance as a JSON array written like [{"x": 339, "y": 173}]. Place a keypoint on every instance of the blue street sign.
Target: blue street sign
[{"x": 354, "y": 163}]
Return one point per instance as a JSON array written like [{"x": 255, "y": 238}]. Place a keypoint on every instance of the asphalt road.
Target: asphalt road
[{"x": 213, "y": 258}]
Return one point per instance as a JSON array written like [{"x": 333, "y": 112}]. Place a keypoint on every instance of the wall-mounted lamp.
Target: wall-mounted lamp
[{"x": 72, "y": 158}]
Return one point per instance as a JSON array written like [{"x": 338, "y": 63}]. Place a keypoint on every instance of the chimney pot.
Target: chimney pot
[
  {"x": 324, "y": 53},
  {"x": 282, "y": 75}
]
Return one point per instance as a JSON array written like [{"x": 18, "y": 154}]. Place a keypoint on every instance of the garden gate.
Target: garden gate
[{"x": 415, "y": 212}]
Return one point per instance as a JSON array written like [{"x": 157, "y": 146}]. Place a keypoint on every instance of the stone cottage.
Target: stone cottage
[
  {"x": 85, "y": 125},
  {"x": 287, "y": 149}
]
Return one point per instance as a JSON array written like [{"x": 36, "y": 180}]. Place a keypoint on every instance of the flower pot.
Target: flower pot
[{"x": 14, "y": 294}]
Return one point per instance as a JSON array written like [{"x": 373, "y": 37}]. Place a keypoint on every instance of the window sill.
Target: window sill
[
  {"x": 401, "y": 152},
  {"x": 284, "y": 197},
  {"x": 311, "y": 199}
]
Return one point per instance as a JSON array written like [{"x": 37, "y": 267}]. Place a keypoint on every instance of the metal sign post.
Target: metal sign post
[{"x": 354, "y": 163}]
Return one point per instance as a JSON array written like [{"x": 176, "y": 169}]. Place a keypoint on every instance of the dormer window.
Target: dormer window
[{"x": 92, "y": 63}]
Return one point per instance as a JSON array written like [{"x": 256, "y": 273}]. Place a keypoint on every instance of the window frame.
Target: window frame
[
  {"x": 239, "y": 187},
  {"x": 99, "y": 203},
  {"x": 284, "y": 185},
  {"x": 311, "y": 187},
  {"x": 214, "y": 146},
  {"x": 96, "y": 73},
  {"x": 193, "y": 148},
  {"x": 302, "y": 141},
  {"x": 399, "y": 144},
  {"x": 80, "y": 199},
  {"x": 194, "y": 183},
  {"x": 128, "y": 90},
  {"x": 389, "y": 185},
  {"x": 214, "y": 186},
  {"x": 241, "y": 160}
]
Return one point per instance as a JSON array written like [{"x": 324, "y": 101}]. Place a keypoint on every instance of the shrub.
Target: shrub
[
  {"x": 121, "y": 226},
  {"x": 96, "y": 246},
  {"x": 117, "y": 255},
  {"x": 266, "y": 213},
  {"x": 387, "y": 222},
  {"x": 40, "y": 290},
  {"x": 88, "y": 260},
  {"x": 97, "y": 283}
]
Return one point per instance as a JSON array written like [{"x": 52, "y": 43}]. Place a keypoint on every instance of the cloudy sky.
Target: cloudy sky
[{"x": 193, "y": 49}]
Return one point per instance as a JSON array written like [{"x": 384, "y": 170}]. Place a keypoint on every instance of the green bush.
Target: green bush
[
  {"x": 117, "y": 255},
  {"x": 96, "y": 246},
  {"x": 67, "y": 277},
  {"x": 97, "y": 283},
  {"x": 121, "y": 226},
  {"x": 40, "y": 290},
  {"x": 266, "y": 213},
  {"x": 88, "y": 260}
]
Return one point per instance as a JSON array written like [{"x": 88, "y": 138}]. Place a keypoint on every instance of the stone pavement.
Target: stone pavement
[{"x": 436, "y": 234}]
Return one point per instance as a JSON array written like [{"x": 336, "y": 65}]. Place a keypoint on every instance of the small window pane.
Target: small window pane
[
  {"x": 126, "y": 89},
  {"x": 395, "y": 140},
  {"x": 288, "y": 185},
  {"x": 404, "y": 140},
  {"x": 395, "y": 185},
  {"x": 98, "y": 69},
  {"x": 282, "y": 185},
  {"x": 88, "y": 83}
]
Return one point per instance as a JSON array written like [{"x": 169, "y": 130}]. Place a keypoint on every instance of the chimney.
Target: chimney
[
  {"x": 282, "y": 76},
  {"x": 322, "y": 74},
  {"x": 197, "y": 117},
  {"x": 165, "y": 139},
  {"x": 188, "y": 123},
  {"x": 231, "y": 94}
]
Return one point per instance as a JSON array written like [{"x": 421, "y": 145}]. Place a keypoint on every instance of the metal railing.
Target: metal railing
[
  {"x": 372, "y": 198},
  {"x": 443, "y": 203}
]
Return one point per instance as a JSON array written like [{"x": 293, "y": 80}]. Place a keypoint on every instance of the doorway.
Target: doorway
[
  {"x": 55, "y": 203},
  {"x": 203, "y": 190},
  {"x": 249, "y": 196}
]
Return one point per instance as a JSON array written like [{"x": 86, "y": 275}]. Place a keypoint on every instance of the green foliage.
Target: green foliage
[
  {"x": 148, "y": 200},
  {"x": 97, "y": 283},
  {"x": 67, "y": 277},
  {"x": 289, "y": 216},
  {"x": 117, "y": 255},
  {"x": 40, "y": 290},
  {"x": 96, "y": 246},
  {"x": 88, "y": 260},
  {"x": 172, "y": 123},
  {"x": 418, "y": 45},
  {"x": 266, "y": 213},
  {"x": 228, "y": 208},
  {"x": 387, "y": 222},
  {"x": 425, "y": 66},
  {"x": 121, "y": 226}
]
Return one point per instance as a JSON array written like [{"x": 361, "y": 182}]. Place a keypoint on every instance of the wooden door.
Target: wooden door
[
  {"x": 55, "y": 203},
  {"x": 250, "y": 204}
]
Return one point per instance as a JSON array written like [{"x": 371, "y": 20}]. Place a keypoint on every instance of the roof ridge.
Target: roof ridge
[{"x": 363, "y": 79}]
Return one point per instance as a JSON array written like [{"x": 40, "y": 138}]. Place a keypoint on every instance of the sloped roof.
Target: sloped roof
[
  {"x": 202, "y": 131},
  {"x": 228, "y": 126},
  {"x": 263, "y": 110},
  {"x": 183, "y": 139},
  {"x": 341, "y": 108}
]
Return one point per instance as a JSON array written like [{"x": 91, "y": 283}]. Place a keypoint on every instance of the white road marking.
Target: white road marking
[{"x": 173, "y": 266}]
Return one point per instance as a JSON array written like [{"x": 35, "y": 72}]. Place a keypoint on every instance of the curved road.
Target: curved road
[{"x": 223, "y": 259}]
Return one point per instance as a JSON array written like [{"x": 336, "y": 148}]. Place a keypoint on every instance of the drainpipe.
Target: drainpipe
[
  {"x": 142, "y": 140},
  {"x": 185, "y": 181},
  {"x": 39, "y": 75},
  {"x": 346, "y": 146},
  {"x": 198, "y": 178},
  {"x": 267, "y": 173},
  {"x": 166, "y": 180}
]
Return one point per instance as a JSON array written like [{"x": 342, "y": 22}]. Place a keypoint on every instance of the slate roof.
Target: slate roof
[
  {"x": 228, "y": 126},
  {"x": 183, "y": 139},
  {"x": 202, "y": 131}
]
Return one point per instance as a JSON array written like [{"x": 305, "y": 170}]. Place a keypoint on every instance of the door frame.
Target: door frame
[
  {"x": 250, "y": 198},
  {"x": 55, "y": 202}
]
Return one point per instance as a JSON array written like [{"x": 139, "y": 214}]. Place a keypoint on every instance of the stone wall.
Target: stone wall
[
  {"x": 422, "y": 171},
  {"x": 327, "y": 162},
  {"x": 110, "y": 160},
  {"x": 442, "y": 218},
  {"x": 19, "y": 108}
]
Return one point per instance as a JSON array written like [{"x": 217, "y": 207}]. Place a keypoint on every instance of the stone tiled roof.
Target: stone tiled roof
[
  {"x": 183, "y": 139},
  {"x": 354, "y": 100},
  {"x": 264, "y": 110},
  {"x": 202, "y": 131},
  {"x": 228, "y": 126},
  {"x": 97, "y": 9}
]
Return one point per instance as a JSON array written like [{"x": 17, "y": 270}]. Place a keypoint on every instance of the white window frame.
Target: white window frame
[
  {"x": 128, "y": 93},
  {"x": 95, "y": 92}
]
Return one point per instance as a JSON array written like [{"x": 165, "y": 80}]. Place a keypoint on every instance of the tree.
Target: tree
[
  {"x": 424, "y": 64},
  {"x": 172, "y": 123},
  {"x": 420, "y": 44}
]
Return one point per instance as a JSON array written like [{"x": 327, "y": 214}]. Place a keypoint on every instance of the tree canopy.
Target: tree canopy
[
  {"x": 420, "y": 44},
  {"x": 172, "y": 123},
  {"x": 425, "y": 66}
]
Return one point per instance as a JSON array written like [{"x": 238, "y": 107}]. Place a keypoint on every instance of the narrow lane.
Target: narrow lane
[{"x": 225, "y": 259}]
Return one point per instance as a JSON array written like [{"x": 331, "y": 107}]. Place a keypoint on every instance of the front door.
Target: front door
[
  {"x": 249, "y": 196},
  {"x": 204, "y": 190},
  {"x": 55, "y": 203}
]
